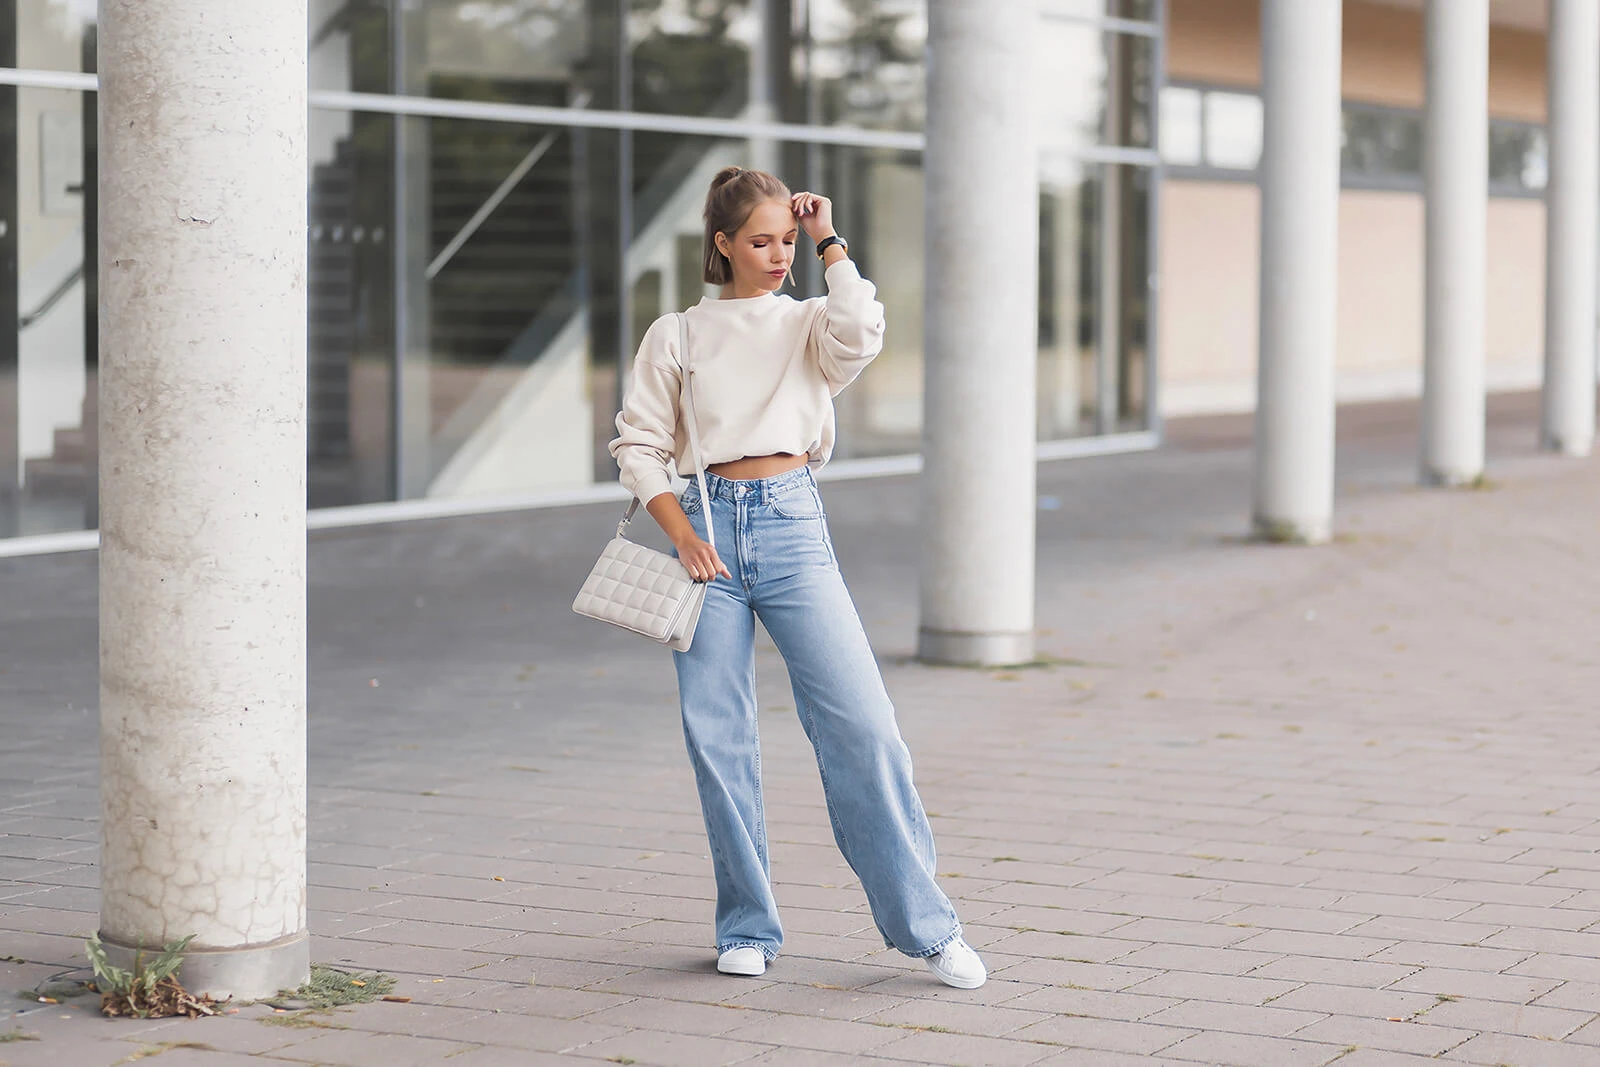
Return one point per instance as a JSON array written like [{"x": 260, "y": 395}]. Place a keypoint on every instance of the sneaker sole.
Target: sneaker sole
[
  {"x": 742, "y": 972},
  {"x": 959, "y": 983}
]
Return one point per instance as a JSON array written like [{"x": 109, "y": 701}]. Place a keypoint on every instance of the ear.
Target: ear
[{"x": 722, "y": 243}]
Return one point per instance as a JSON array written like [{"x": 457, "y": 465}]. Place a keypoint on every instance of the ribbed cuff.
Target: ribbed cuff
[{"x": 652, "y": 485}]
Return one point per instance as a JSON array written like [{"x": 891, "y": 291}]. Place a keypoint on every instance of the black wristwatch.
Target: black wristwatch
[{"x": 828, "y": 242}]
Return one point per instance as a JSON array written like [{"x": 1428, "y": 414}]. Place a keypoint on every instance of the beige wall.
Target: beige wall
[
  {"x": 1217, "y": 41},
  {"x": 1209, "y": 259},
  {"x": 1209, "y": 246}
]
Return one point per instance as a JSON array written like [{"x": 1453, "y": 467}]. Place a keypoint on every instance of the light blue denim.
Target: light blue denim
[{"x": 773, "y": 537}]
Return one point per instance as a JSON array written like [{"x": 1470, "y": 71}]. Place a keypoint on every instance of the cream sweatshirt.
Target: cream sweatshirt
[{"x": 765, "y": 371}]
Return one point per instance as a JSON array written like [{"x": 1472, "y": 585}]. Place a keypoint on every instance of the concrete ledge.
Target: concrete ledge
[{"x": 248, "y": 972}]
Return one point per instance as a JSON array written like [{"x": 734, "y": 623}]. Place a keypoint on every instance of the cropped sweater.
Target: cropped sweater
[{"x": 765, "y": 371}]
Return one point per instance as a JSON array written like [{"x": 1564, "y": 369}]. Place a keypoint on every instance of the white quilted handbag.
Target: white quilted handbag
[{"x": 638, "y": 588}]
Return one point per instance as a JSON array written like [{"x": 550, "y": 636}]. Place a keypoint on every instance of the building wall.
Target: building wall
[{"x": 1210, "y": 230}]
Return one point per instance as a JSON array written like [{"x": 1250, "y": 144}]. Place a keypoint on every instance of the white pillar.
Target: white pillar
[
  {"x": 1299, "y": 269},
  {"x": 1570, "y": 226},
  {"x": 1456, "y": 172},
  {"x": 981, "y": 313},
  {"x": 202, "y": 531}
]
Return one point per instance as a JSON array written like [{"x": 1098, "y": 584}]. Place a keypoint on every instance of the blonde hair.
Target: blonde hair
[{"x": 734, "y": 194}]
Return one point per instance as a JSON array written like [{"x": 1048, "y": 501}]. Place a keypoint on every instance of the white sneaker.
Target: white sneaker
[
  {"x": 957, "y": 965},
  {"x": 747, "y": 961}
]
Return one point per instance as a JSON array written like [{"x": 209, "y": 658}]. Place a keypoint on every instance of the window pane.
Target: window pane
[
  {"x": 1096, "y": 89},
  {"x": 1381, "y": 143},
  {"x": 49, "y": 372},
  {"x": 878, "y": 198},
  {"x": 1069, "y": 291},
  {"x": 1517, "y": 157},
  {"x": 859, "y": 63},
  {"x": 1093, "y": 300},
  {"x": 350, "y": 308},
  {"x": 1138, "y": 10},
  {"x": 1180, "y": 126},
  {"x": 1233, "y": 125}
]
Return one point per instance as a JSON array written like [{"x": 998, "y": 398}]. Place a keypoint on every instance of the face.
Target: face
[{"x": 762, "y": 252}]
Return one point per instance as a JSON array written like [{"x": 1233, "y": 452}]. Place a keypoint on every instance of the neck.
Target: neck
[{"x": 743, "y": 289}]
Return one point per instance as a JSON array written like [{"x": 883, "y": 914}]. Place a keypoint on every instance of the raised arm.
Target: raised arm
[{"x": 848, "y": 331}]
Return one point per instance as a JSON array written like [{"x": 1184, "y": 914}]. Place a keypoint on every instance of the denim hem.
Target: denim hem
[
  {"x": 955, "y": 935},
  {"x": 763, "y": 949}
]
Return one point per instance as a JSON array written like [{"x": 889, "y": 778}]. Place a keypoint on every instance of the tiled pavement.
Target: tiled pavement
[{"x": 1264, "y": 806}]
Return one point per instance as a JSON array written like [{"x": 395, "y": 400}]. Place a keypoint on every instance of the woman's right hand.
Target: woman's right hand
[{"x": 700, "y": 559}]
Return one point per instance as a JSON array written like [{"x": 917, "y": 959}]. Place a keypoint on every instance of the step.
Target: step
[
  {"x": 53, "y": 478},
  {"x": 70, "y": 446}
]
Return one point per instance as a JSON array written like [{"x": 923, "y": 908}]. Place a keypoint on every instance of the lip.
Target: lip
[{"x": 776, "y": 273}]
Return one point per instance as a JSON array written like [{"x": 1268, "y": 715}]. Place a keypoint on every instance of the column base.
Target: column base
[
  {"x": 247, "y": 973},
  {"x": 1291, "y": 532},
  {"x": 956, "y": 648},
  {"x": 1438, "y": 478},
  {"x": 1565, "y": 445}
]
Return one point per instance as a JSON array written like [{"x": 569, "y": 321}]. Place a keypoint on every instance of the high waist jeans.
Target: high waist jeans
[{"x": 773, "y": 537}]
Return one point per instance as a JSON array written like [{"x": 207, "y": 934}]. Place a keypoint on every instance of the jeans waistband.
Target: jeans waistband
[{"x": 763, "y": 489}]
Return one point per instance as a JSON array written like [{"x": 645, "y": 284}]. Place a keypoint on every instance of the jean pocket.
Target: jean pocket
[
  {"x": 691, "y": 502},
  {"x": 798, "y": 502}
]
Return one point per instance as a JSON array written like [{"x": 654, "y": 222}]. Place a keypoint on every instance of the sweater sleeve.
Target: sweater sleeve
[
  {"x": 646, "y": 442},
  {"x": 848, "y": 332}
]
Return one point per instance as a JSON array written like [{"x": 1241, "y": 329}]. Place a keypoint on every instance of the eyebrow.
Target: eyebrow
[{"x": 786, "y": 233}]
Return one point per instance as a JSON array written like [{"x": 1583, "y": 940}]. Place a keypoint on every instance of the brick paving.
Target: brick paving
[{"x": 1261, "y": 806}]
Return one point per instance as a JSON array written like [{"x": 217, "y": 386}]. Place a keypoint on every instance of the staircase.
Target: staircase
[
  {"x": 66, "y": 482},
  {"x": 520, "y": 259},
  {"x": 332, "y": 297}
]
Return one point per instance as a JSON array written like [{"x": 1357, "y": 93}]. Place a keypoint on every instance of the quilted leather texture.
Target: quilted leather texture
[{"x": 642, "y": 590}]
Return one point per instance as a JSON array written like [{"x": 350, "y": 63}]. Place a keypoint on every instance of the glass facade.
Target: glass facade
[
  {"x": 1215, "y": 132},
  {"x": 505, "y": 193}
]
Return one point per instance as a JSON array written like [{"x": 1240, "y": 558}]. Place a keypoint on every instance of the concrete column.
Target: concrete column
[
  {"x": 1299, "y": 269},
  {"x": 202, "y": 560},
  {"x": 1456, "y": 172},
  {"x": 1570, "y": 226},
  {"x": 981, "y": 308}
]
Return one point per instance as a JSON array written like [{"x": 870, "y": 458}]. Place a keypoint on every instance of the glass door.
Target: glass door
[{"x": 47, "y": 301}]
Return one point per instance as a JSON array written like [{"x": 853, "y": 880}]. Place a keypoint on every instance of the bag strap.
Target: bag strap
[{"x": 687, "y": 398}]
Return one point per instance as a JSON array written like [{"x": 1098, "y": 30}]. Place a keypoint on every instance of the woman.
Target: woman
[{"x": 765, "y": 369}]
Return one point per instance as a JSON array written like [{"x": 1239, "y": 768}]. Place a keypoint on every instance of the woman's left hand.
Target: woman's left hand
[{"x": 815, "y": 214}]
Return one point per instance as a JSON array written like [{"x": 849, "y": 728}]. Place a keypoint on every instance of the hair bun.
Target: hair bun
[{"x": 724, "y": 176}]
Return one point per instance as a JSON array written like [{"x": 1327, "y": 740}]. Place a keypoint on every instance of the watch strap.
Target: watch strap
[{"x": 829, "y": 241}]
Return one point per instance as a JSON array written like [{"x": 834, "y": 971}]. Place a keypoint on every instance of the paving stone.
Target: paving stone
[
  {"x": 980, "y": 1020},
  {"x": 1500, "y": 1017},
  {"x": 705, "y": 1020},
  {"x": 826, "y": 1035},
  {"x": 1270, "y": 1021},
  {"x": 1353, "y": 1000},
  {"x": 1421, "y": 1037},
  {"x": 673, "y": 1050},
  {"x": 1242, "y": 1050},
  {"x": 1184, "y": 958},
  {"x": 1092, "y": 1003},
  {"x": 1110, "y": 1034},
  {"x": 1503, "y": 1048},
  {"x": 1379, "y": 1057},
  {"x": 355, "y": 1048},
  {"x": 961, "y": 1050},
  {"x": 1224, "y": 988},
  {"x": 1511, "y": 988}
]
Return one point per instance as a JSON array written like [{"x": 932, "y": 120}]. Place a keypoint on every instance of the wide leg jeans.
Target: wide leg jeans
[{"x": 773, "y": 537}]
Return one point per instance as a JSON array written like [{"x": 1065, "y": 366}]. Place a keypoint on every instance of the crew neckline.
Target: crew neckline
[{"x": 742, "y": 301}]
